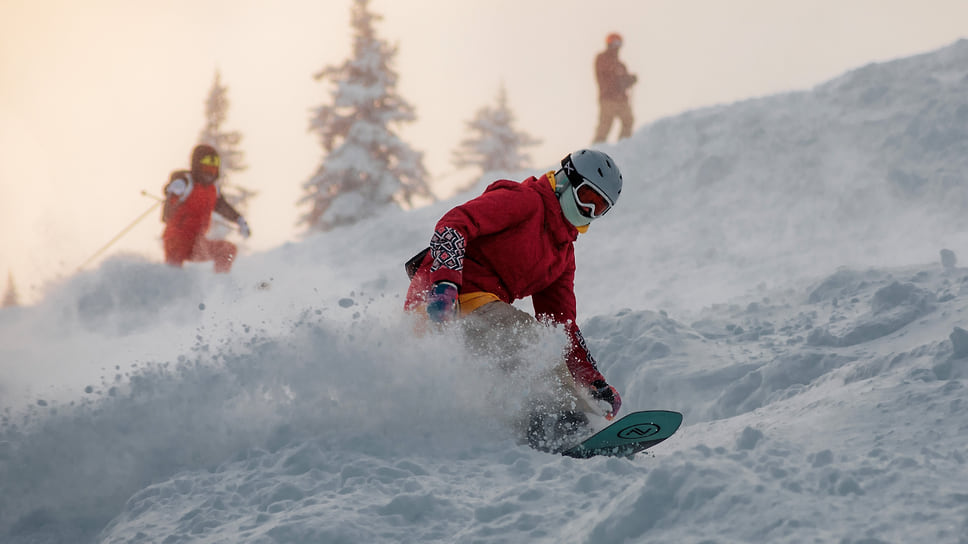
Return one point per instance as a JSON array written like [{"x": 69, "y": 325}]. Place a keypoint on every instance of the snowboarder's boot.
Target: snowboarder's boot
[{"x": 555, "y": 431}]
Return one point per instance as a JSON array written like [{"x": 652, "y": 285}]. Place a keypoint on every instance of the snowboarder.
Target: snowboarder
[
  {"x": 517, "y": 240},
  {"x": 614, "y": 81},
  {"x": 190, "y": 198}
]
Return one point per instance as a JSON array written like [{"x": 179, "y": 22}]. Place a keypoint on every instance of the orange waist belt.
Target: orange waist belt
[
  {"x": 468, "y": 302},
  {"x": 472, "y": 301}
]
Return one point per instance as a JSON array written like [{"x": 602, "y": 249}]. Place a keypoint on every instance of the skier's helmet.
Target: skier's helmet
[
  {"x": 588, "y": 185},
  {"x": 205, "y": 164},
  {"x": 613, "y": 40}
]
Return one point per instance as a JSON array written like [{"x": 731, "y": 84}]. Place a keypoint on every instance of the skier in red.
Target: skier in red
[
  {"x": 190, "y": 198},
  {"x": 517, "y": 240}
]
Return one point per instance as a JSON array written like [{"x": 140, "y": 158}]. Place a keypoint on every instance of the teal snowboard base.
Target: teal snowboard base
[{"x": 629, "y": 435}]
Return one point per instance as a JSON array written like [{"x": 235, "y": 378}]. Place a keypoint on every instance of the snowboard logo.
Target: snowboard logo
[{"x": 640, "y": 431}]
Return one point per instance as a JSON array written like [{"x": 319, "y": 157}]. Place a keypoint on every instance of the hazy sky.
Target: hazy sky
[{"x": 101, "y": 99}]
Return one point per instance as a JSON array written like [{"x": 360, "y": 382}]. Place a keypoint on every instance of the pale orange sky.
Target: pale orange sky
[{"x": 101, "y": 99}]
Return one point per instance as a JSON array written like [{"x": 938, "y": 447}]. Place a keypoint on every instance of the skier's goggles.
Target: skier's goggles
[
  {"x": 592, "y": 202},
  {"x": 211, "y": 160}
]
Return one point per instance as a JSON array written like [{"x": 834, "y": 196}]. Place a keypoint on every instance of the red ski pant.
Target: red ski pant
[{"x": 179, "y": 249}]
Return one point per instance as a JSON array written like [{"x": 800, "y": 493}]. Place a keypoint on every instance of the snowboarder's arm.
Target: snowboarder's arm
[
  {"x": 557, "y": 304},
  {"x": 494, "y": 211},
  {"x": 584, "y": 369}
]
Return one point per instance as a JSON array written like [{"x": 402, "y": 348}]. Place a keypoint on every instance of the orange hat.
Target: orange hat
[{"x": 613, "y": 39}]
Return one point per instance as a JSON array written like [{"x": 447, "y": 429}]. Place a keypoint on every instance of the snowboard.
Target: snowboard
[{"x": 629, "y": 435}]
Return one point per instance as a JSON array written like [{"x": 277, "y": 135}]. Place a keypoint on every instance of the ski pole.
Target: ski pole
[
  {"x": 118, "y": 236},
  {"x": 151, "y": 196}
]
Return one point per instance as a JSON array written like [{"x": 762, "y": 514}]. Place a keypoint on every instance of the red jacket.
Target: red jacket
[
  {"x": 613, "y": 77},
  {"x": 189, "y": 214},
  {"x": 512, "y": 241}
]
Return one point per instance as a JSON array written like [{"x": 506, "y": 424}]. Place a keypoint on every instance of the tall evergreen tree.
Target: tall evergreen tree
[
  {"x": 10, "y": 297},
  {"x": 494, "y": 144},
  {"x": 227, "y": 143},
  {"x": 367, "y": 166}
]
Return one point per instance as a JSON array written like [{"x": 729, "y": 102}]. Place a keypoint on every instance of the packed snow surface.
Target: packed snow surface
[{"x": 773, "y": 271}]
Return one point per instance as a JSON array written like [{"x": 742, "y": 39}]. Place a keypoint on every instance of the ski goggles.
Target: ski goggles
[
  {"x": 211, "y": 160},
  {"x": 592, "y": 202},
  {"x": 209, "y": 165}
]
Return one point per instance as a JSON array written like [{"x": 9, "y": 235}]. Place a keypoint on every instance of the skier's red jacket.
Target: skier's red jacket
[
  {"x": 512, "y": 241},
  {"x": 188, "y": 215}
]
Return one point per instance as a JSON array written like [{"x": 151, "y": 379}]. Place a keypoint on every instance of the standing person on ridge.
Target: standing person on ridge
[
  {"x": 190, "y": 198},
  {"x": 614, "y": 81},
  {"x": 517, "y": 240}
]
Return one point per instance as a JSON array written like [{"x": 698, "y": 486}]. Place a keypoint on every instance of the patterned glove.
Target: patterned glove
[
  {"x": 243, "y": 227},
  {"x": 442, "y": 303},
  {"x": 604, "y": 392}
]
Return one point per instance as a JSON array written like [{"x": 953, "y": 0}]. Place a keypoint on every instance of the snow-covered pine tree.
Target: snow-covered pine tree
[
  {"x": 227, "y": 144},
  {"x": 367, "y": 166},
  {"x": 10, "y": 297},
  {"x": 494, "y": 144}
]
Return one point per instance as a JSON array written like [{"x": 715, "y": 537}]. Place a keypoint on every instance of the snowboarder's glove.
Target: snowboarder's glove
[
  {"x": 442, "y": 302},
  {"x": 604, "y": 392},
  {"x": 243, "y": 227}
]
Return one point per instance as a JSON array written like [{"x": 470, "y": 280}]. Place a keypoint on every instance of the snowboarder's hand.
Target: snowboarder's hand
[
  {"x": 243, "y": 227},
  {"x": 602, "y": 391},
  {"x": 442, "y": 302}
]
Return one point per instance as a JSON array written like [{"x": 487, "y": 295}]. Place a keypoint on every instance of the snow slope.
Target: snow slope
[{"x": 772, "y": 271}]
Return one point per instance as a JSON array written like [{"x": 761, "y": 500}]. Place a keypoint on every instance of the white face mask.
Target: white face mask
[{"x": 566, "y": 198}]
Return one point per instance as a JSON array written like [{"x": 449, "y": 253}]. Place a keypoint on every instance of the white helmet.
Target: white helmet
[{"x": 588, "y": 185}]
